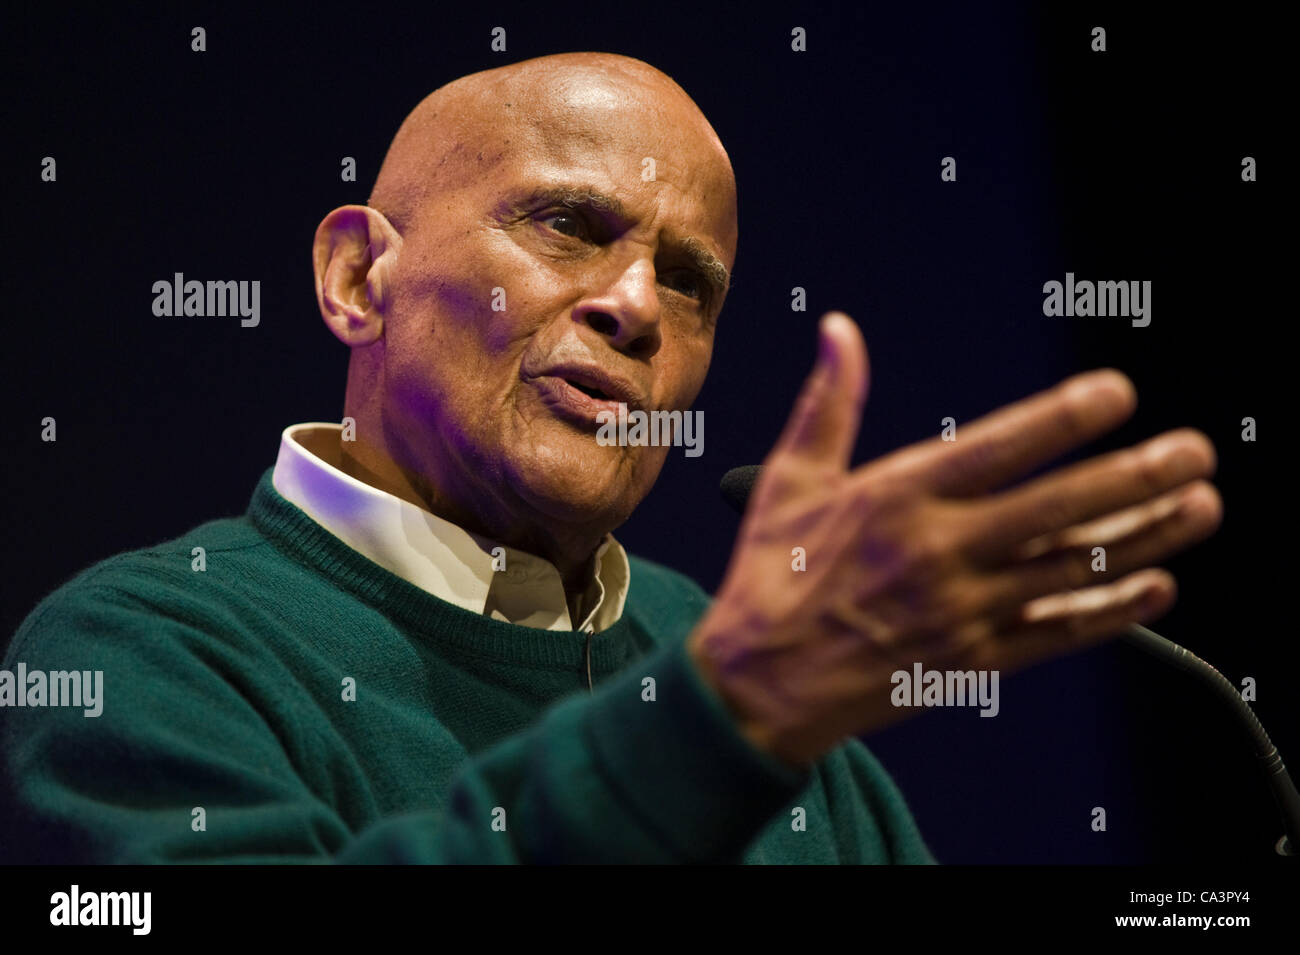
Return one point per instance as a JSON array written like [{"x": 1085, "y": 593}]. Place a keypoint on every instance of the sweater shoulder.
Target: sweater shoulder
[
  {"x": 666, "y": 602},
  {"x": 169, "y": 562},
  {"x": 167, "y": 579},
  {"x": 653, "y": 582}
]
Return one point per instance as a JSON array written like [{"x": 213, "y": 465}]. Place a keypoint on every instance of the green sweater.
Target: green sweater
[{"x": 227, "y": 689}]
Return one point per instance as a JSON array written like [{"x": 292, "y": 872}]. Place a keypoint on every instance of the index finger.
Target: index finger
[{"x": 1012, "y": 441}]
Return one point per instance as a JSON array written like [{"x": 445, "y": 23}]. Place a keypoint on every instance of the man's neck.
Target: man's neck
[{"x": 575, "y": 571}]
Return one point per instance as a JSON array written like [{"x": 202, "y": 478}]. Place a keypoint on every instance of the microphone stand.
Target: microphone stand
[{"x": 1270, "y": 760}]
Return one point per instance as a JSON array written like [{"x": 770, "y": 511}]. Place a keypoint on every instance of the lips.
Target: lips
[
  {"x": 582, "y": 392},
  {"x": 598, "y": 384}
]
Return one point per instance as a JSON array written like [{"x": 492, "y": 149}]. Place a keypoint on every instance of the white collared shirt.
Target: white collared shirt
[{"x": 434, "y": 554}]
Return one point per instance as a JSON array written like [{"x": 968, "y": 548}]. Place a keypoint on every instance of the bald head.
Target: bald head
[{"x": 470, "y": 125}]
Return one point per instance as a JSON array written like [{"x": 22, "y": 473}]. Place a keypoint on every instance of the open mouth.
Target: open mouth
[
  {"x": 588, "y": 391},
  {"x": 572, "y": 395}
]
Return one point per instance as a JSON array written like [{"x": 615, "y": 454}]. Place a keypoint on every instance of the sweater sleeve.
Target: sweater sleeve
[
  {"x": 605, "y": 777},
  {"x": 879, "y": 806}
]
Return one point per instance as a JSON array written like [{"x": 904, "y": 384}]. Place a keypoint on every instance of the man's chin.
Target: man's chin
[{"x": 572, "y": 479}]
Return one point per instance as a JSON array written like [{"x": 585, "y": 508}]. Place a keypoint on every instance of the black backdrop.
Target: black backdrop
[{"x": 1115, "y": 165}]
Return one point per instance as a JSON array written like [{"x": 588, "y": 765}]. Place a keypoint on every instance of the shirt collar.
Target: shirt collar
[{"x": 439, "y": 557}]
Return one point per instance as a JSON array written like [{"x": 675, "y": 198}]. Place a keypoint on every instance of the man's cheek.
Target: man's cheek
[
  {"x": 513, "y": 284},
  {"x": 465, "y": 297},
  {"x": 470, "y": 305},
  {"x": 684, "y": 394}
]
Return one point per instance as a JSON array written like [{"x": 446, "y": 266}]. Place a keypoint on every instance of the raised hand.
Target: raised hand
[{"x": 919, "y": 557}]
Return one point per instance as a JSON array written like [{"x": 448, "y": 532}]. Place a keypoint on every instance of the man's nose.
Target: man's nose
[{"x": 626, "y": 312}]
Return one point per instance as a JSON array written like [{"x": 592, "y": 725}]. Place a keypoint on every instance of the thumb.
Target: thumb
[{"x": 823, "y": 427}]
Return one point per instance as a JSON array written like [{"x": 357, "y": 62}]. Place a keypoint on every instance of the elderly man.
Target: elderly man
[{"x": 422, "y": 643}]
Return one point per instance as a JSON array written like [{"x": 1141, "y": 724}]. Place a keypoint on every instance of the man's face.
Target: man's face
[{"x": 601, "y": 282}]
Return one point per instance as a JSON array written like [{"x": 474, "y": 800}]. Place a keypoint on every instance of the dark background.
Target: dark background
[{"x": 1119, "y": 165}]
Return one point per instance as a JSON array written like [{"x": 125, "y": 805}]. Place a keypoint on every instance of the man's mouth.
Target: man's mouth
[
  {"x": 586, "y": 390},
  {"x": 584, "y": 394}
]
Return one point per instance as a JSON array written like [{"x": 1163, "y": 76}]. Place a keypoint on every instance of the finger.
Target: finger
[
  {"x": 823, "y": 427},
  {"x": 1012, "y": 441},
  {"x": 1190, "y": 515},
  {"x": 1090, "y": 489},
  {"x": 1061, "y": 623},
  {"x": 1105, "y": 530}
]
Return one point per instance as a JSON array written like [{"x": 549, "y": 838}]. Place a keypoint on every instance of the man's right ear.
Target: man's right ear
[{"x": 353, "y": 256}]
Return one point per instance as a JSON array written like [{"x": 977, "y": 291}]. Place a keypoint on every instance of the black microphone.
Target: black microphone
[{"x": 738, "y": 483}]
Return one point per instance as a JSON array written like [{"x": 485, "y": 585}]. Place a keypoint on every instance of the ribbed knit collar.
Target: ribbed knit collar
[{"x": 293, "y": 532}]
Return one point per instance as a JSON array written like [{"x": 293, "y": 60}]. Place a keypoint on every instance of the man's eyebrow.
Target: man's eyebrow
[
  {"x": 708, "y": 264},
  {"x": 571, "y": 197},
  {"x": 577, "y": 197}
]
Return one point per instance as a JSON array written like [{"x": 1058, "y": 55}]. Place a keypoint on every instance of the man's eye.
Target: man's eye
[
  {"x": 688, "y": 283},
  {"x": 566, "y": 223}
]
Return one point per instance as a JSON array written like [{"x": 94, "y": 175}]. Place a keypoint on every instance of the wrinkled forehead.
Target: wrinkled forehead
[{"x": 648, "y": 146}]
